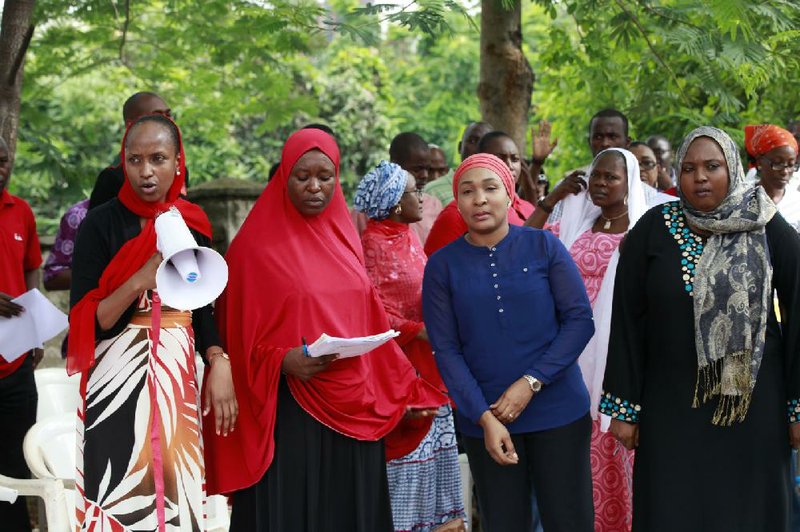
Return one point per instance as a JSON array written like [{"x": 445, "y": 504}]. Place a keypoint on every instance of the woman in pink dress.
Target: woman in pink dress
[{"x": 594, "y": 223}]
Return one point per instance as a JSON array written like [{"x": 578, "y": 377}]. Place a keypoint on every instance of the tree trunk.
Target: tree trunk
[
  {"x": 506, "y": 80},
  {"x": 16, "y": 31}
]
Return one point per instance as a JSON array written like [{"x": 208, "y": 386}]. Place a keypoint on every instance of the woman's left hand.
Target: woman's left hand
[
  {"x": 513, "y": 401},
  {"x": 794, "y": 435},
  {"x": 220, "y": 396}
]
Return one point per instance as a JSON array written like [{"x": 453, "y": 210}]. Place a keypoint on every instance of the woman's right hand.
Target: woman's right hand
[
  {"x": 497, "y": 440},
  {"x": 626, "y": 433},
  {"x": 295, "y": 363},
  {"x": 423, "y": 334},
  {"x": 574, "y": 183},
  {"x": 146, "y": 276}
]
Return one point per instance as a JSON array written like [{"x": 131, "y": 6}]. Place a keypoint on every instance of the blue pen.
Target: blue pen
[{"x": 305, "y": 346}]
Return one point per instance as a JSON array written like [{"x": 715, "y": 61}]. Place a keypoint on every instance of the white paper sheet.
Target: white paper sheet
[
  {"x": 349, "y": 347},
  {"x": 40, "y": 322}
]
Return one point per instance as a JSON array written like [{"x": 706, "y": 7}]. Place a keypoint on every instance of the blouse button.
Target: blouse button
[
  {"x": 492, "y": 265},
  {"x": 494, "y": 249},
  {"x": 491, "y": 254},
  {"x": 524, "y": 269},
  {"x": 496, "y": 286},
  {"x": 500, "y": 310},
  {"x": 498, "y": 298},
  {"x": 494, "y": 275}
]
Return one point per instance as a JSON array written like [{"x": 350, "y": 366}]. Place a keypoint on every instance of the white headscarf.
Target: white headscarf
[{"x": 579, "y": 216}]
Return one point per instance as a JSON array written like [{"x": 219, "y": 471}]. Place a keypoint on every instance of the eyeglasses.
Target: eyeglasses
[
  {"x": 647, "y": 165},
  {"x": 777, "y": 167},
  {"x": 417, "y": 191}
]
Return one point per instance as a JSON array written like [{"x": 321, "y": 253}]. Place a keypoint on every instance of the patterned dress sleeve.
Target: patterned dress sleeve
[
  {"x": 784, "y": 248},
  {"x": 624, "y": 377},
  {"x": 382, "y": 269}
]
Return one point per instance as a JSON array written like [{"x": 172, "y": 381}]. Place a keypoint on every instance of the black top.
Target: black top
[
  {"x": 108, "y": 184},
  {"x": 690, "y": 474},
  {"x": 101, "y": 235}
]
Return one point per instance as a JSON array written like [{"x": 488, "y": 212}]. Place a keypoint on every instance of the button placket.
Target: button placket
[{"x": 493, "y": 268}]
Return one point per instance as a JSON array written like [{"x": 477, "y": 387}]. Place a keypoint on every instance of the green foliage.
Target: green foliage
[
  {"x": 242, "y": 75},
  {"x": 669, "y": 65}
]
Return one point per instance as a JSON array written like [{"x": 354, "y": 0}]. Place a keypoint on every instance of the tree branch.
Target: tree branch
[
  {"x": 125, "y": 32},
  {"x": 659, "y": 14},
  {"x": 653, "y": 50}
]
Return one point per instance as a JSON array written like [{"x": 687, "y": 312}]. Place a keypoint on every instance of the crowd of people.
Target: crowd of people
[{"x": 617, "y": 353}]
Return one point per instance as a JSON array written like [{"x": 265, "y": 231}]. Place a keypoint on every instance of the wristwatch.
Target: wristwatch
[{"x": 534, "y": 383}]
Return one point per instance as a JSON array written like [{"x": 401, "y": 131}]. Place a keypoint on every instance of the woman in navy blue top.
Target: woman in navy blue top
[{"x": 507, "y": 315}]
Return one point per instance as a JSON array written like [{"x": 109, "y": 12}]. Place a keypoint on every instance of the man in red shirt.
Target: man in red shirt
[{"x": 20, "y": 258}]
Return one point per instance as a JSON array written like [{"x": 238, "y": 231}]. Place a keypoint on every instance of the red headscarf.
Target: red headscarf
[
  {"x": 491, "y": 163},
  {"x": 292, "y": 277},
  {"x": 129, "y": 259},
  {"x": 450, "y": 225},
  {"x": 760, "y": 139}
]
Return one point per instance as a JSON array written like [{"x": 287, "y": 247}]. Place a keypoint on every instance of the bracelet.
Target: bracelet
[
  {"x": 545, "y": 208},
  {"x": 216, "y": 354}
]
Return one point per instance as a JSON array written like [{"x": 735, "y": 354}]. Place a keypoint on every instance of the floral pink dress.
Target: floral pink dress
[{"x": 612, "y": 464}]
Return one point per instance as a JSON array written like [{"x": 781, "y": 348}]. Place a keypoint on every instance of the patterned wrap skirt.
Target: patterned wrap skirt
[
  {"x": 140, "y": 455},
  {"x": 612, "y": 482},
  {"x": 425, "y": 485}
]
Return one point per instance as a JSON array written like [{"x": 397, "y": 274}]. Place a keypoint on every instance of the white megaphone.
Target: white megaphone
[{"x": 190, "y": 276}]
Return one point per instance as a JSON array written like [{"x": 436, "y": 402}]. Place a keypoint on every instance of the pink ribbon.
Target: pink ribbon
[{"x": 155, "y": 426}]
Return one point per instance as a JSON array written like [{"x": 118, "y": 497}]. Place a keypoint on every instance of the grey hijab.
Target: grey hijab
[{"x": 732, "y": 287}]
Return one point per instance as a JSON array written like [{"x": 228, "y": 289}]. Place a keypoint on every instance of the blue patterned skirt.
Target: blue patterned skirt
[{"x": 425, "y": 485}]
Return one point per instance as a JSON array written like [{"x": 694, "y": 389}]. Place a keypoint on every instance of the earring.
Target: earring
[
  {"x": 398, "y": 209},
  {"x": 625, "y": 200}
]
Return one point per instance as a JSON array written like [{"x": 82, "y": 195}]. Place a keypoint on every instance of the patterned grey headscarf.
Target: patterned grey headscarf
[
  {"x": 380, "y": 190},
  {"x": 732, "y": 287}
]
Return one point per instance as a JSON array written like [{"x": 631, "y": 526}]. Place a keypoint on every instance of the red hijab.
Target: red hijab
[
  {"x": 292, "y": 277},
  {"x": 130, "y": 258}
]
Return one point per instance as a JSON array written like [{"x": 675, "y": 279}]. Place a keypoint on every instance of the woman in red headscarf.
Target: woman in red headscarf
[
  {"x": 308, "y": 452},
  {"x": 140, "y": 466},
  {"x": 775, "y": 153},
  {"x": 450, "y": 225},
  {"x": 507, "y": 316}
]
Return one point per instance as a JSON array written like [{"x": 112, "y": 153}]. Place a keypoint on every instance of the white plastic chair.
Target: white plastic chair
[
  {"x": 49, "y": 448},
  {"x": 58, "y": 392},
  {"x": 466, "y": 488},
  {"x": 218, "y": 518},
  {"x": 50, "y": 490}
]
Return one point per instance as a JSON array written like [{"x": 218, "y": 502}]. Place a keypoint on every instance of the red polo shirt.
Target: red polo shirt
[{"x": 19, "y": 253}]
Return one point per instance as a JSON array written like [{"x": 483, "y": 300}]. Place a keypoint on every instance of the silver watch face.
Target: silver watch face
[{"x": 536, "y": 384}]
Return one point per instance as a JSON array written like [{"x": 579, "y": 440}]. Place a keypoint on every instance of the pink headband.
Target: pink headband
[{"x": 489, "y": 162}]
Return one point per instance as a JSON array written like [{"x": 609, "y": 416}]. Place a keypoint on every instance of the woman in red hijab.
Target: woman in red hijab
[
  {"x": 140, "y": 465},
  {"x": 307, "y": 453}
]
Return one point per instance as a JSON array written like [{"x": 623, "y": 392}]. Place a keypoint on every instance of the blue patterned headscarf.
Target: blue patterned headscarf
[{"x": 380, "y": 190}]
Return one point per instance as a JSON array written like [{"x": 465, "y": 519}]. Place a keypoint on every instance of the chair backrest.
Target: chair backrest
[
  {"x": 58, "y": 392},
  {"x": 50, "y": 447}
]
